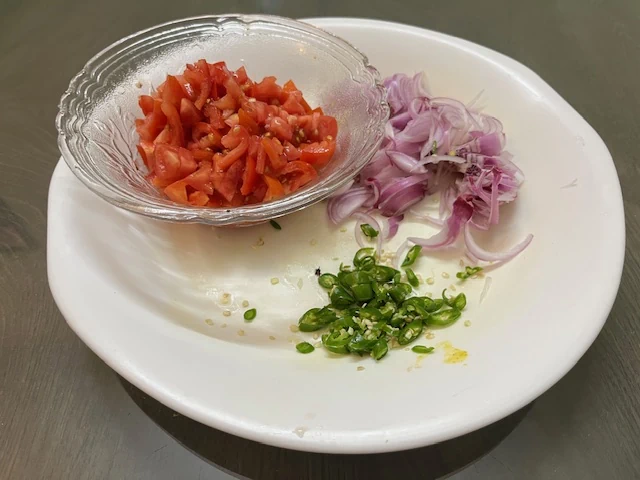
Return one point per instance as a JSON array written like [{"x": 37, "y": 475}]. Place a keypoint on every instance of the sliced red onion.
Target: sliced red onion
[
  {"x": 393, "y": 224},
  {"x": 435, "y": 144},
  {"x": 427, "y": 218},
  {"x": 342, "y": 207},
  {"x": 401, "y": 193},
  {"x": 404, "y": 162},
  {"x": 481, "y": 254},
  {"x": 461, "y": 214}
]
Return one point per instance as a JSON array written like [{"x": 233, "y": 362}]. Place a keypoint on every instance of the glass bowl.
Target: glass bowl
[{"x": 96, "y": 130}]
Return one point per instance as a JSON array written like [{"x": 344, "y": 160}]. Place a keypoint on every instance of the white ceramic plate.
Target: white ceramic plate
[{"x": 138, "y": 292}]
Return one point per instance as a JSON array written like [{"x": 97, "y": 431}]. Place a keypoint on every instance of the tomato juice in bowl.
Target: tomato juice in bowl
[{"x": 98, "y": 112}]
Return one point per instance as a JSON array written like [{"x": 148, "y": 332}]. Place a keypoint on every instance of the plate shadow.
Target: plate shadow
[{"x": 248, "y": 459}]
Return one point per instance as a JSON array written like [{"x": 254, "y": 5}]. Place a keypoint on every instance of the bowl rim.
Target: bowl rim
[{"x": 68, "y": 125}]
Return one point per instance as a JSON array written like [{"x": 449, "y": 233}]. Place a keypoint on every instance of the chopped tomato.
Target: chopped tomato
[
  {"x": 241, "y": 75},
  {"x": 250, "y": 177},
  {"x": 291, "y": 152},
  {"x": 274, "y": 153},
  {"x": 177, "y": 192},
  {"x": 146, "y": 152},
  {"x": 318, "y": 153},
  {"x": 173, "y": 123},
  {"x": 302, "y": 174},
  {"x": 266, "y": 90},
  {"x": 189, "y": 113},
  {"x": 280, "y": 128},
  {"x": 245, "y": 142},
  {"x": 198, "y": 198},
  {"x": 201, "y": 178},
  {"x": 214, "y": 115},
  {"x": 146, "y": 104},
  {"x": 261, "y": 159},
  {"x": 153, "y": 124},
  {"x": 274, "y": 188},
  {"x": 225, "y": 103},
  {"x": 172, "y": 163},
  {"x": 327, "y": 126},
  {"x": 247, "y": 122},
  {"x": 227, "y": 183},
  {"x": 173, "y": 92}
]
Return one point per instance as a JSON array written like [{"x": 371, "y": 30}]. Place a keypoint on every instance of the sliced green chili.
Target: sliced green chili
[
  {"x": 365, "y": 258},
  {"x": 369, "y": 231},
  {"x": 410, "y": 332},
  {"x": 336, "y": 342},
  {"x": 422, "y": 349},
  {"x": 380, "y": 349},
  {"x": 412, "y": 255},
  {"x": 340, "y": 297},
  {"x": 468, "y": 272},
  {"x": 411, "y": 278},
  {"x": 275, "y": 224},
  {"x": 305, "y": 347},
  {"x": 444, "y": 318},
  {"x": 327, "y": 280}
]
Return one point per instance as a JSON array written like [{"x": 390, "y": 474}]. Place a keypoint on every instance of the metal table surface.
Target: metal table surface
[{"x": 65, "y": 415}]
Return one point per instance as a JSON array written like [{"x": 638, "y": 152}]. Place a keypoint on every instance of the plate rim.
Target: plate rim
[{"x": 365, "y": 444}]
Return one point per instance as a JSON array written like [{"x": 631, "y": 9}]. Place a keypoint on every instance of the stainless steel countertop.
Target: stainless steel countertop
[{"x": 65, "y": 415}]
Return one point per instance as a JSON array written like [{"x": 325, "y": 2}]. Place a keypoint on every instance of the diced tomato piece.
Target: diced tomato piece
[
  {"x": 172, "y": 91},
  {"x": 189, "y": 114},
  {"x": 201, "y": 178},
  {"x": 201, "y": 155},
  {"x": 188, "y": 163},
  {"x": 216, "y": 200},
  {"x": 201, "y": 129},
  {"x": 318, "y": 153},
  {"x": 276, "y": 159},
  {"x": 146, "y": 152},
  {"x": 235, "y": 136},
  {"x": 230, "y": 158},
  {"x": 289, "y": 86},
  {"x": 255, "y": 109},
  {"x": 174, "y": 123},
  {"x": 280, "y": 128},
  {"x": 149, "y": 128},
  {"x": 187, "y": 87},
  {"x": 165, "y": 136},
  {"x": 327, "y": 127},
  {"x": 146, "y": 104},
  {"x": 158, "y": 182},
  {"x": 303, "y": 174},
  {"x": 214, "y": 115},
  {"x": 274, "y": 188},
  {"x": 258, "y": 194},
  {"x": 177, "y": 192},
  {"x": 225, "y": 103},
  {"x": 293, "y": 105},
  {"x": 261, "y": 159},
  {"x": 247, "y": 122},
  {"x": 233, "y": 88},
  {"x": 219, "y": 73},
  {"x": 291, "y": 152},
  {"x": 226, "y": 183},
  {"x": 266, "y": 90},
  {"x": 254, "y": 143},
  {"x": 241, "y": 75},
  {"x": 172, "y": 163},
  {"x": 198, "y": 198},
  {"x": 250, "y": 177}
]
